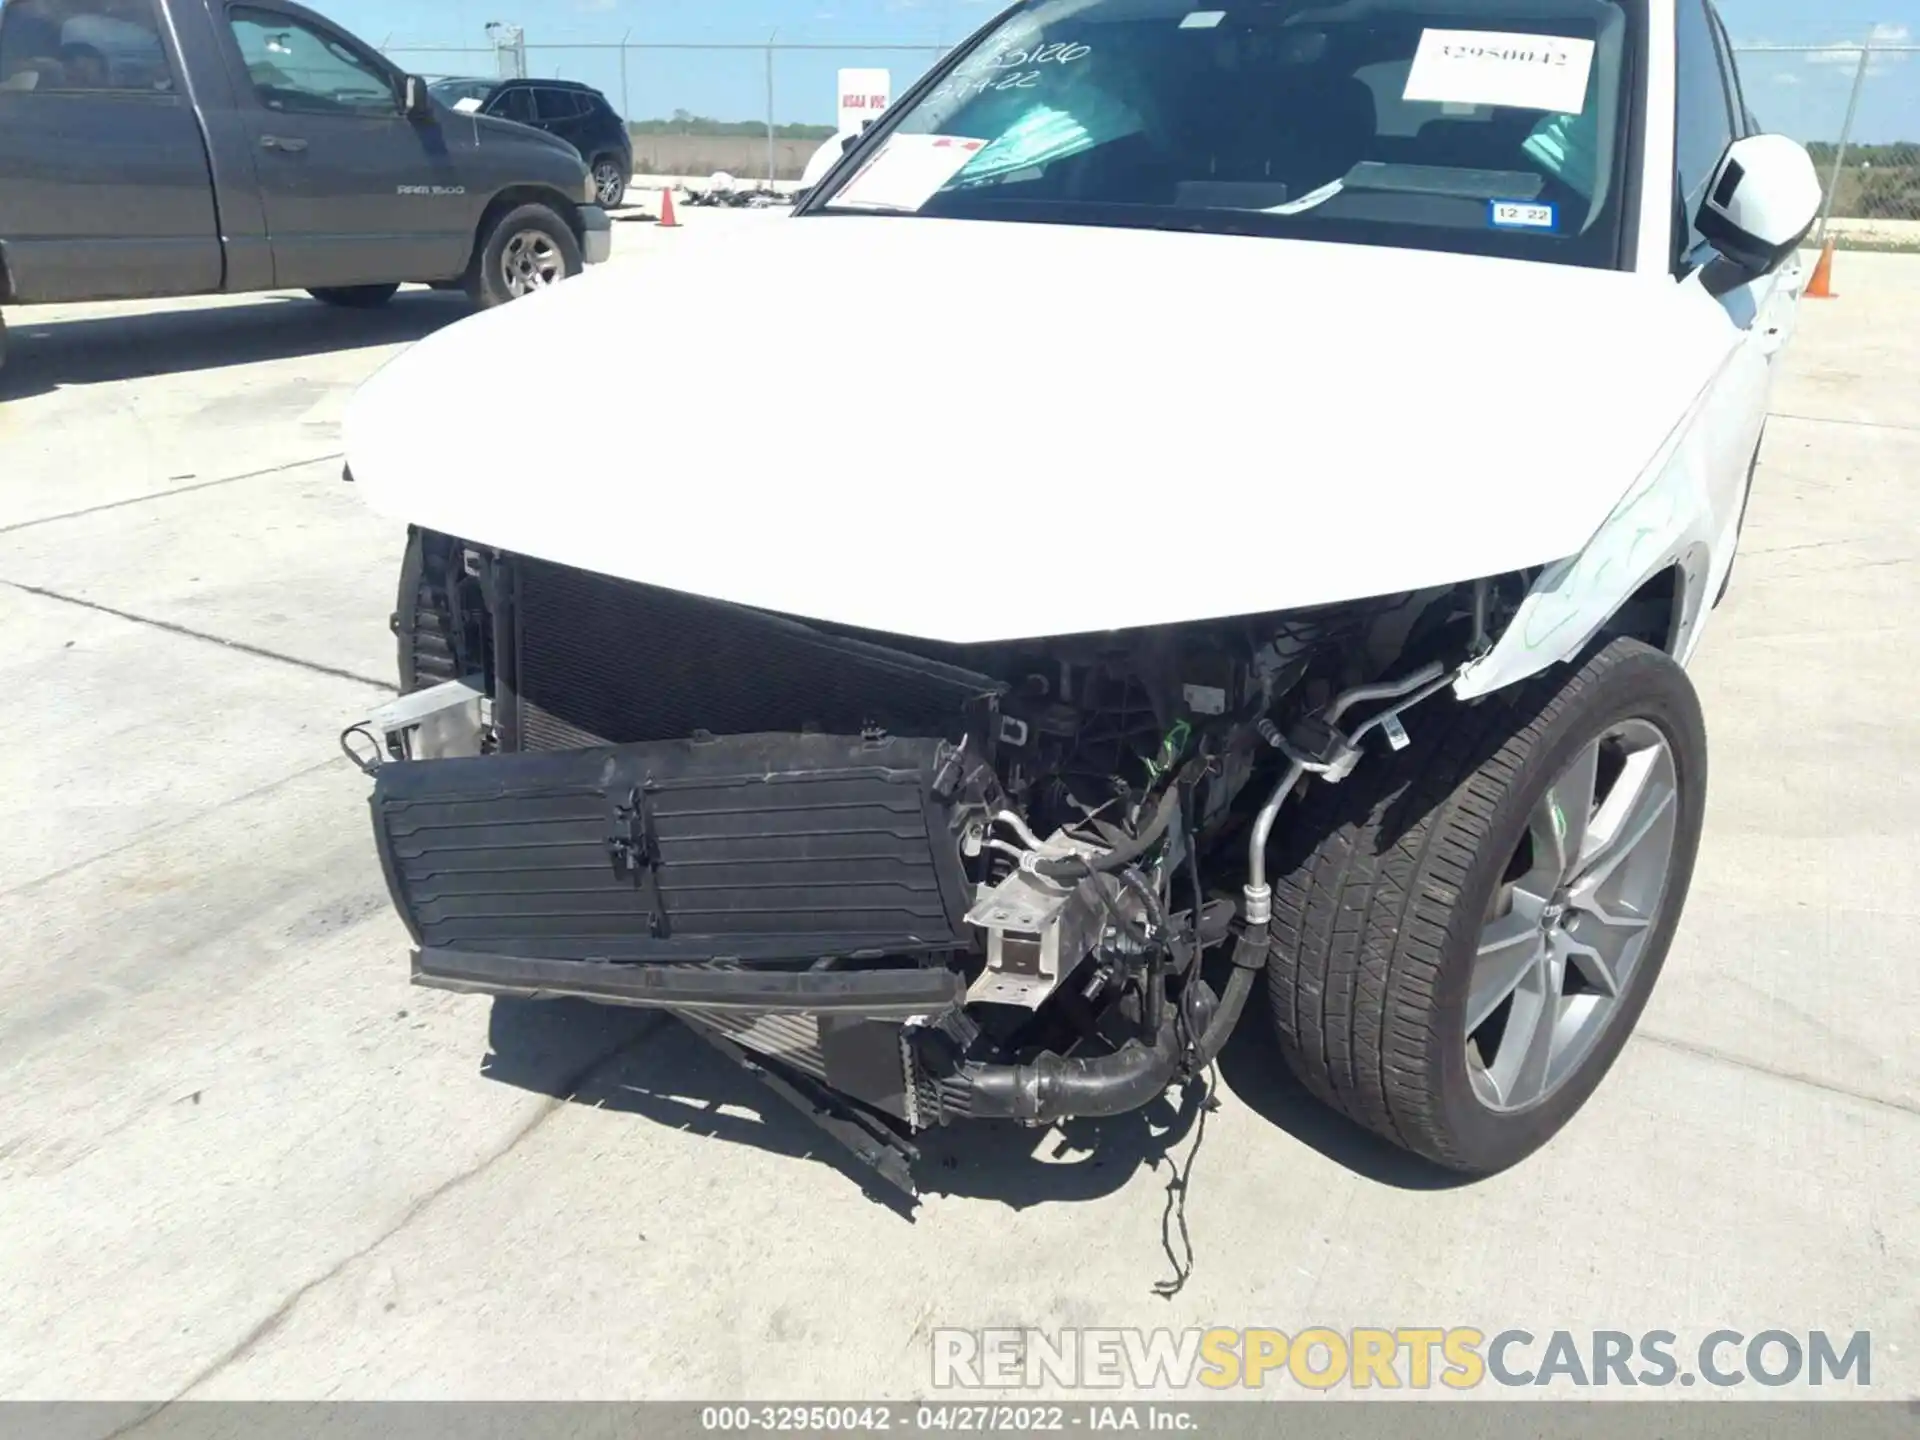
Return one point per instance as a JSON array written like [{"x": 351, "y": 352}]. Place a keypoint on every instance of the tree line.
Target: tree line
[
  {"x": 684, "y": 122},
  {"x": 1879, "y": 182},
  {"x": 1902, "y": 153}
]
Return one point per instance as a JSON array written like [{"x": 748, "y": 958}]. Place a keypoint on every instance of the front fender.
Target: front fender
[{"x": 1664, "y": 521}]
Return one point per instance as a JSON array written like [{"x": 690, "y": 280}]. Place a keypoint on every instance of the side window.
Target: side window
[
  {"x": 82, "y": 45},
  {"x": 514, "y": 104},
  {"x": 298, "y": 69},
  {"x": 1704, "y": 120},
  {"x": 558, "y": 105}
]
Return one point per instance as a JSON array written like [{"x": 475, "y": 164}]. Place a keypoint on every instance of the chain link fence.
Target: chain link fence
[
  {"x": 1856, "y": 107},
  {"x": 687, "y": 104},
  {"x": 759, "y": 110}
]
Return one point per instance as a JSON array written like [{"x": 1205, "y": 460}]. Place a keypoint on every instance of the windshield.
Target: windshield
[
  {"x": 1489, "y": 126},
  {"x": 452, "y": 92}
]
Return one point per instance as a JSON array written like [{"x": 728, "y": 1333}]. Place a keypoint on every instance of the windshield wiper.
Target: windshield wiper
[{"x": 1311, "y": 200}]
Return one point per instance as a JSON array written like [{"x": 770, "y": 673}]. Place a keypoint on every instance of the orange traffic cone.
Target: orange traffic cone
[
  {"x": 667, "y": 222},
  {"x": 1821, "y": 286}
]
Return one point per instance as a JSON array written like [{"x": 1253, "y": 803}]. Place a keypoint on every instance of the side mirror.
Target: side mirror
[
  {"x": 417, "y": 102},
  {"x": 1764, "y": 198}
]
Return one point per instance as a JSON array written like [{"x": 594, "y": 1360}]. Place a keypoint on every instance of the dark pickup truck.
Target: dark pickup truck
[{"x": 185, "y": 147}]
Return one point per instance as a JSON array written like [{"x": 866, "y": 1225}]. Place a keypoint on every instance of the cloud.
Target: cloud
[
  {"x": 1848, "y": 54},
  {"x": 1786, "y": 77}
]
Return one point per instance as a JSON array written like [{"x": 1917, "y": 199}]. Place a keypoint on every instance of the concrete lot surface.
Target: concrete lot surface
[{"x": 239, "y": 1156}]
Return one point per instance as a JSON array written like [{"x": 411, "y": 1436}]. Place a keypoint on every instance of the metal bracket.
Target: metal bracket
[
  {"x": 634, "y": 848},
  {"x": 872, "y": 1141},
  {"x": 1038, "y": 929},
  {"x": 437, "y": 723}
]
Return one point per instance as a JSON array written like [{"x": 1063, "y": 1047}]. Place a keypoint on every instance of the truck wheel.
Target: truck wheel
[
  {"x": 355, "y": 297},
  {"x": 526, "y": 249},
  {"x": 1476, "y": 923},
  {"x": 609, "y": 181}
]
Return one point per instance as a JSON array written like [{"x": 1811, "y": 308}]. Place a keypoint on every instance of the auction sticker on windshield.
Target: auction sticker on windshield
[
  {"x": 1491, "y": 67},
  {"x": 907, "y": 171}
]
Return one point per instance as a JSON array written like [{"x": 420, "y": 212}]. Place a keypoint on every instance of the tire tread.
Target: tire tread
[{"x": 1363, "y": 919}]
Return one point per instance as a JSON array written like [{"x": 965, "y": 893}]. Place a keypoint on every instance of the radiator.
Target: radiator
[{"x": 597, "y": 661}]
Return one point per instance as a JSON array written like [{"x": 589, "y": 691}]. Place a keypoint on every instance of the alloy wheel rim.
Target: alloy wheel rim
[
  {"x": 1566, "y": 929},
  {"x": 607, "y": 178},
  {"x": 530, "y": 261}
]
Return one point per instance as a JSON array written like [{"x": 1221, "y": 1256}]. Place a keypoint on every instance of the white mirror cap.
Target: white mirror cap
[{"x": 1766, "y": 193}]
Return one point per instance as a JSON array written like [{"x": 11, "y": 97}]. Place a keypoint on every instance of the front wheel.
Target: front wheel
[
  {"x": 355, "y": 297},
  {"x": 527, "y": 249},
  {"x": 610, "y": 181},
  {"x": 1470, "y": 929}
]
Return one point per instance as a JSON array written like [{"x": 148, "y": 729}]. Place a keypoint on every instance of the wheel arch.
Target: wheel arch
[
  {"x": 1645, "y": 573},
  {"x": 1661, "y": 606},
  {"x": 517, "y": 195},
  {"x": 1658, "y": 611}
]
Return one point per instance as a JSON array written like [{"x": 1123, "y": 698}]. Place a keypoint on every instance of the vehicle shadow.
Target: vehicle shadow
[
  {"x": 643, "y": 1063},
  {"x": 44, "y": 355},
  {"x": 1253, "y": 1068}
]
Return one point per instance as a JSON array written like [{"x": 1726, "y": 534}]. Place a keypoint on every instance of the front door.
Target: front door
[
  {"x": 1708, "y": 117},
  {"x": 515, "y": 103},
  {"x": 104, "y": 188},
  {"x": 563, "y": 113},
  {"x": 355, "y": 192}
]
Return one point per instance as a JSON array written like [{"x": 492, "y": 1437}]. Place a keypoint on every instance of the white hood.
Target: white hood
[{"x": 1034, "y": 430}]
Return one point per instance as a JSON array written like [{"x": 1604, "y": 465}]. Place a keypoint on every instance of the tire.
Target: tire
[
  {"x": 355, "y": 297},
  {"x": 1379, "y": 912},
  {"x": 525, "y": 249},
  {"x": 610, "y": 180}
]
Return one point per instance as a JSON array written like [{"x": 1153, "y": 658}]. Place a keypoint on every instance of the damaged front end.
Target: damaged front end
[{"x": 920, "y": 881}]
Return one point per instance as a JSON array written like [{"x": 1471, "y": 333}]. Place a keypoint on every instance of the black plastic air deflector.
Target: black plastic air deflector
[
  {"x": 745, "y": 848},
  {"x": 865, "y": 994}
]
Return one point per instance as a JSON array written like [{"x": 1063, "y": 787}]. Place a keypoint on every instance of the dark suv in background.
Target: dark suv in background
[{"x": 578, "y": 114}]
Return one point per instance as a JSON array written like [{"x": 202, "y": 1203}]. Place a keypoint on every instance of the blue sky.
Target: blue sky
[{"x": 1803, "y": 95}]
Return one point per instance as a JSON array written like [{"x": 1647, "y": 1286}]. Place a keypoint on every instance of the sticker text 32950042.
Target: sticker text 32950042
[{"x": 1494, "y": 67}]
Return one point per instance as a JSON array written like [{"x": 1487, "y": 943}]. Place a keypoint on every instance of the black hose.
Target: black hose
[
  {"x": 1249, "y": 959},
  {"x": 1058, "y": 1087},
  {"x": 1077, "y": 867},
  {"x": 1156, "y": 913}
]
